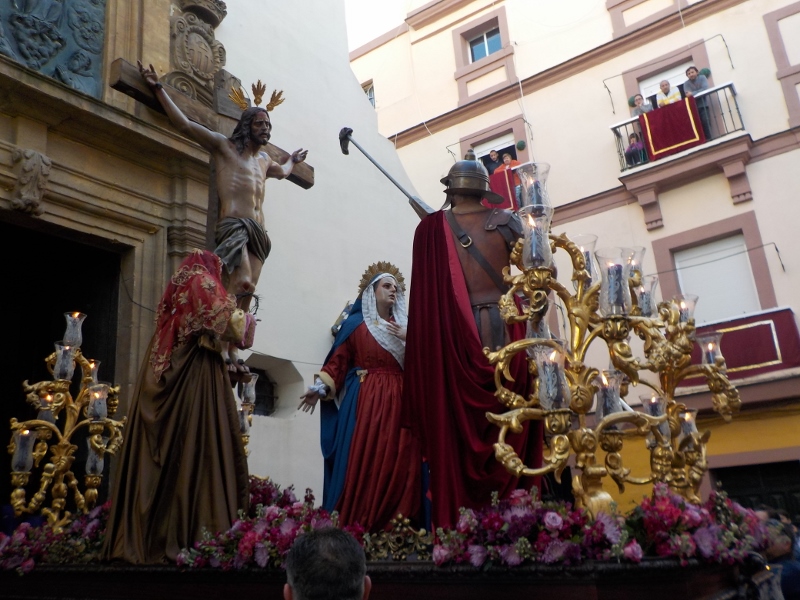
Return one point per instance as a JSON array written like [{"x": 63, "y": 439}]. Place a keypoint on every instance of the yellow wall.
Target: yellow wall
[{"x": 753, "y": 431}]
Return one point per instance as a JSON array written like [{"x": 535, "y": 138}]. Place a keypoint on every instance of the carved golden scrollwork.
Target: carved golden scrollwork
[
  {"x": 401, "y": 541},
  {"x": 57, "y": 478},
  {"x": 677, "y": 458}
]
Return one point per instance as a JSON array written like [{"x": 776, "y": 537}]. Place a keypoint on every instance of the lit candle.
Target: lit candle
[
  {"x": 94, "y": 365},
  {"x": 536, "y": 250},
  {"x": 98, "y": 402},
  {"x": 711, "y": 353},
  {"x": 655, "y": 406},
  {"x": 608, "y": 399},
  {"x": 73, "y": 335},
  {"x": 688, "y": 422},
  {"x": 709, "y": 347},
  {"x": 65, "y": 361},
  {"x": 22, "y": 459},
  {"x": 553, "y": 394},
  {"x": 686, "y": 305},
  {"x": 46, "y": 409}
]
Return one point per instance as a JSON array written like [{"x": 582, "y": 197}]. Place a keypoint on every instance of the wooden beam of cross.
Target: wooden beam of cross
[{"x": 125, "y": 78}]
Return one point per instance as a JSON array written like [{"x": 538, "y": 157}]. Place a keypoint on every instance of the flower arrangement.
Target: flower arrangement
[
  {"x": 263, "y": 538},
  {"x": 523, "y": 528},
  {"x": 81, "y": 542},
  {"x": 520, "y": 529},
  {"x": 719, "y": 531}
]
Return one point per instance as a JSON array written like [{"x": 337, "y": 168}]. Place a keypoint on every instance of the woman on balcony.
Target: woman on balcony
[{"x": 635, "y": 153}]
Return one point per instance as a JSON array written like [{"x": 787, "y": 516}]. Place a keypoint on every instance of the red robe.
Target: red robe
[
  {"x": 449, "y": 384},
  {"x": 384, "y": 464}
]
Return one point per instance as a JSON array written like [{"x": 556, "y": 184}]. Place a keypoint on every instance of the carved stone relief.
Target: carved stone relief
[
  {"x": 60, "y": 38},
  {"x": 196, "y": 55},
  {"x": 33, "y": 171}
]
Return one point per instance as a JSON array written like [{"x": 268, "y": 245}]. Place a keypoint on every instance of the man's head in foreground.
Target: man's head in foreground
[{"x": 326, "y": 564}]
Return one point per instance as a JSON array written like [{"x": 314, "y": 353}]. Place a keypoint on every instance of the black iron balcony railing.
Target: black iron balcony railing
[{"x": 719, "y": 114}]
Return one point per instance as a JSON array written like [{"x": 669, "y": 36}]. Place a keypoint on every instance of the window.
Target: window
[
  {"x": 484, "y": 56},
  {"x": 265, "y": 393},
  {"x": 369, "y": 90},
  {"x": 485, "y": 44},
  {"x": 719, "y": 272}
]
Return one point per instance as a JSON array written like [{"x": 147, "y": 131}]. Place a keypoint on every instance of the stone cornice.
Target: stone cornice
[
  {"x": 28, "y": 93},
  {"x": 433, "y": 11}
]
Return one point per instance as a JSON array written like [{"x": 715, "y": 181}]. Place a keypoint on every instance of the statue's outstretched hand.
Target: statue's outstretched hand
[
  {"x": 299, "y": 156},
  {"x": 309, "y": 401},
  {"x": 149, "y": 75}
]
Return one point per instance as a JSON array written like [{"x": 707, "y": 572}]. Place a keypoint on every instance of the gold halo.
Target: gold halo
[{"x": 381, "y": 267}]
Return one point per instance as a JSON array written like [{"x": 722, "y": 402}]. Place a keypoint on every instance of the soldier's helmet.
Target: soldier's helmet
[{"x": 470, "y": 177}]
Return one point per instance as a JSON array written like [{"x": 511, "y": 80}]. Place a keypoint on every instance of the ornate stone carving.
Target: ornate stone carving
[
  {"x": 211, "y": 11},
  {"x": 196, "y": 55},
  {"x": 61, "y": 38},
  {"x": 33, "y": 171}
]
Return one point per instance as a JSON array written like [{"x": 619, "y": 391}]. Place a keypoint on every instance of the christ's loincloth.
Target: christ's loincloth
[{"x": 233, "y": 234}]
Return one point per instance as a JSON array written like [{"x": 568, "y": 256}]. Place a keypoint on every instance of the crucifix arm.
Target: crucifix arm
[
  {"x": 210, "y": 140},
  {"x": 281, "y": 171}
]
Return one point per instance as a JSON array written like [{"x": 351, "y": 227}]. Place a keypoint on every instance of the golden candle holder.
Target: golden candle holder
[
  {"x": 606, "y": 310},
  {"x": 92, "y": 408}
]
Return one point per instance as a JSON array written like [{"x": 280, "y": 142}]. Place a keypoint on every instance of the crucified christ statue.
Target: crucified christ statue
[{"x": 242, "y": 171}]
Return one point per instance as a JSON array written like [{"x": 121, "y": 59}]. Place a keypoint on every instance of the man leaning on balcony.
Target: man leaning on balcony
[
  {"x": 668, "y": 94},
  {"x": 698, "y": 82}
]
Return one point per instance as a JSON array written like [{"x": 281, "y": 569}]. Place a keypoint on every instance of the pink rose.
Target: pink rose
[
  {"x": 633, "y": 552},
  {"x": 553, "y": 521},
  {"x": 477, "y": 555},
  {"x": 440, "y": 554}
]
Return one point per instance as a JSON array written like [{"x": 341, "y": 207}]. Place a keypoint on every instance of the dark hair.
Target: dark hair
[
  {"x": 633, "y": 135},
  {"x": 241, "y": 135},
  {"x": 635, "y": 96},
  {"x": 689, "y": 68},
  {"x": 326, "y": 564}
]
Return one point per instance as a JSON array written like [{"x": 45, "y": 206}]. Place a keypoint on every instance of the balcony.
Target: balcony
[
  {"x": 717, "y": 105},
  {"x": 762, "y": 353}
]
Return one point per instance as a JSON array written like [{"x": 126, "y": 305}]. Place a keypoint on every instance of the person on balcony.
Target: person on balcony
[
  {"x": 668, "y": 94},
  {"x": 508, "y": 164},
  {"x": 697, "y": 82},
  {"x": 493, "y": 162},
  {"x": 635, "y": 153},
  {"x": 640, "y": 106}
]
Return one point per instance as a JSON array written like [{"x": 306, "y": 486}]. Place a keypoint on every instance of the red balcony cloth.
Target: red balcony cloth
[
  {"x": 755, "y": 344},
  {"x": 503, "y": 183},
  {"x": 672, "y": 129}
]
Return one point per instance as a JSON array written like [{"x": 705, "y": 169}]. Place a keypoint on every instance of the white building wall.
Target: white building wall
[{"x": 322, "y": 238}]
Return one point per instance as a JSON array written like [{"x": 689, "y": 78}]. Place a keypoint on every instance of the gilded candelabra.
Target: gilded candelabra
[
  {"x": 611, "y": 301},
  {"x": 247, "y": 395},
  {"x": 92, "y": 408}
]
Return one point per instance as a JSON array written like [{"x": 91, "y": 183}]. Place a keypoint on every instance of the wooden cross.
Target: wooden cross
[{"x": 125, "y": 78}]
